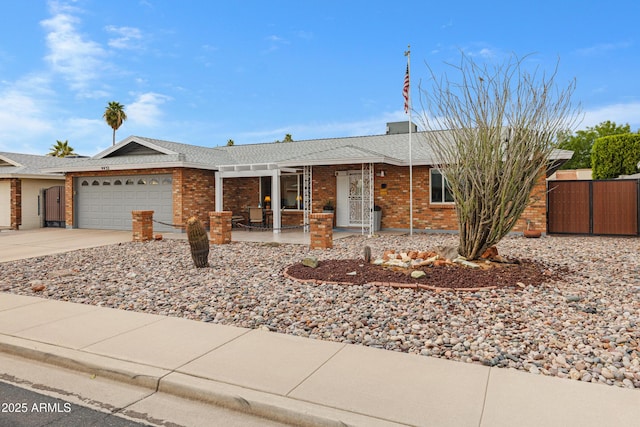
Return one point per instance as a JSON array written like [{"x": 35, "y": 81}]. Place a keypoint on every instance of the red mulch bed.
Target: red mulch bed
[{"x": 453, "y": 277}]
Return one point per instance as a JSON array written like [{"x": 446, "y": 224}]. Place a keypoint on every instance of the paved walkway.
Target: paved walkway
[{"x": 293, "y": 379}]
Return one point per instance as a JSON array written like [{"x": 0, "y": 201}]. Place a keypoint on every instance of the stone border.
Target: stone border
[{"x": 395, "y": 285}]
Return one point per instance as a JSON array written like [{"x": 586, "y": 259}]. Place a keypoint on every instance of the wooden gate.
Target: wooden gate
[
  {"x": 54, "y": 207},
  {"x": 606, "y": 207}
]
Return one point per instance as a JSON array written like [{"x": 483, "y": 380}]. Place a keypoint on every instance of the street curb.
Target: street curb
[{"x": 261, "y": 404}]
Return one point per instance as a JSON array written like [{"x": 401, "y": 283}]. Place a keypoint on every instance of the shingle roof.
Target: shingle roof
[
  {"x": 22, "y": 165},
  {"x": 392, "y": 149}
]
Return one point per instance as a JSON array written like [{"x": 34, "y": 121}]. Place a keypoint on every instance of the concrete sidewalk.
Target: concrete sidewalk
[{"x": 298, "y": 380}]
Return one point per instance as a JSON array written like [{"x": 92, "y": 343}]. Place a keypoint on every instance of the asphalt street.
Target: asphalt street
[{"x": 20, "y": 407}]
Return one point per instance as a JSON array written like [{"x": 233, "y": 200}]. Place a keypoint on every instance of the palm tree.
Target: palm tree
[
  {"x": 61, "y": 149},
  {"x": 114, "y": 115}
]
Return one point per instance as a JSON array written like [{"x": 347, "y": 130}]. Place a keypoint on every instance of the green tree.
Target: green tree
[
  {"x": 501, "y": 126},
  {"x": 61, "y": 149},
  {"x": 114, "y": 115},
  {"x": 230, "y": 143},
  {"x": 287, "y": 138},
  {"x": 581, "y": 143},
  {"x": 615, "y": 155}
]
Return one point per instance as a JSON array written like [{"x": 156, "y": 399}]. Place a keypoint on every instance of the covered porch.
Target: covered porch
[{"x": 284, "y": 195}]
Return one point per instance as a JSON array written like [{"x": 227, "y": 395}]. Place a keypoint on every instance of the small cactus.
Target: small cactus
[
  {"x": 367, "y": 254},
  {"x": 198, "y": 241}
]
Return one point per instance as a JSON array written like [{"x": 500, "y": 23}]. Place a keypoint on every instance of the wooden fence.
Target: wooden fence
[{"x": 606, "y": 207}]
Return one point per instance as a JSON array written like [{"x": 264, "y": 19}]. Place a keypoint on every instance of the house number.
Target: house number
[{"x": 105, "y": 168}]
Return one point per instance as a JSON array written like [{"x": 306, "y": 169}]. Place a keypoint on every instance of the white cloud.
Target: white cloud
[
  {"x": 601, "y": 48},
  {"x": 145, "y": 110},
  {"x": 78, "y": 60},
  {"x": 619, "y": 113},
  {"x": 275, "y": 42},
  {"x": 127, "y": 37},
  {"x": 23, "y": 116}
]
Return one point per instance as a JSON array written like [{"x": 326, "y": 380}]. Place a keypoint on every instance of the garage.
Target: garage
[{"x": 106, "y": 202}]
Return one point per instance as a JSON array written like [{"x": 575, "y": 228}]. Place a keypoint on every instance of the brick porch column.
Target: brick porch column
[
  {"x": 142, "y": 225},
  {"x": 220, "y": 227},
  {"x": 16, "y": 202},
  {"x": 321, "y": 230}
]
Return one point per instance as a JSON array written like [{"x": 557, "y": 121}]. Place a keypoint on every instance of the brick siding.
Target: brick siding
[
  {"x": 193, "y": 195},
  {"x": 15, "y": 185}
]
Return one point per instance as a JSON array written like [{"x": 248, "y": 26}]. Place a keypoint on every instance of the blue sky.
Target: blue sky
[{"x": 203, "y": 72}]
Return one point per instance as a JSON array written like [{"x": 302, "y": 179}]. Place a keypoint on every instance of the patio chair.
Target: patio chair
[
  {"x": 237, "y": 220},
  {"x": 255, "y": 216}
]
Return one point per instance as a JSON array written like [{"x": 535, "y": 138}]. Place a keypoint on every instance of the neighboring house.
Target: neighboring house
[
  {"x": 22, "y": 182},
  {"x": 177, "y": 181},
  {"x": 571, "y": 175}
]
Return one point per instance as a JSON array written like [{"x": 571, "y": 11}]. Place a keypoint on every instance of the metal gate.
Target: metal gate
[
  {"x": 604, "y": 207},
  {"x": 54, "y": 207}
]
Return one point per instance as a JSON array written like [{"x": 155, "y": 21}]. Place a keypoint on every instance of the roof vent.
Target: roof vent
[{"x": 394, "y": 128}]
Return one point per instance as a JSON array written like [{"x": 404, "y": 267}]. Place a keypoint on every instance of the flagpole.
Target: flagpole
[{"x": 408, "y": 109}]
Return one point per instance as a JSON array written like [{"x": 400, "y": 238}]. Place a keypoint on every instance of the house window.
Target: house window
[
  {"x": 290, "y": 191},
  {"x": 84, "y": 183},
  {"x": 95, "y": 183},
  {"x": 129, "y": 182},
  {"x": 117, "y": 182},
  {"x": 440, "y": 191},
  {"x": 106, "y": 182},
  {"x": 142, "y": 182},
  {"x": 153, "y": 181}
]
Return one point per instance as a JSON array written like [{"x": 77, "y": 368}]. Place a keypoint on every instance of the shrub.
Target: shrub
[{"x": 615, "y": 155}]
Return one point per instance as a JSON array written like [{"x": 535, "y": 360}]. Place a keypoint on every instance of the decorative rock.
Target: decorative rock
[
  {"x": 607, "y": 373},
  {"x": 310, "y": 261},
  {"x": 38, "y": 287},
  {"x": 378, "y": 261},
  {"x": 534, "y": 324},
  {"x": 352, "y": 273},
  {"x": 447, "y": 252},
  {"x": 466, "y": 263},
  {"x": 418, "y": 274},
  {"x": 490, "y": 253}
]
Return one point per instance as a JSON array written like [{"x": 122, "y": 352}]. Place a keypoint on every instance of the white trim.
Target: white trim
[
  {"x": 33, "y": 176},
  {"x": 343, "y": 161},
  {"x": 11, "y": 162},
  {"x": 129, "y": 140},
  {"x": 122, "y": 167}
]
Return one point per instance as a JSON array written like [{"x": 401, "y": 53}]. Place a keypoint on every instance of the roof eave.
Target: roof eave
[
  {"x": 33, "y": 176},
  {"x": 343, "y": 161},
  {"x": 133, "y": 166},
  {"x": 128, "y": 141}
]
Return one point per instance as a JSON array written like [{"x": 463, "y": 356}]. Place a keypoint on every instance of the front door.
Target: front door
[{"x": 350, "y": 199}]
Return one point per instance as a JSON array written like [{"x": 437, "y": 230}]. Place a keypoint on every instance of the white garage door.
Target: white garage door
[
  {"x": 5, "y": 204},
  {"x": 107, "y": 202}
]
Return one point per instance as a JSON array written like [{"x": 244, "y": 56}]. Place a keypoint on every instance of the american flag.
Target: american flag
[{"x": 405, "y": 90}]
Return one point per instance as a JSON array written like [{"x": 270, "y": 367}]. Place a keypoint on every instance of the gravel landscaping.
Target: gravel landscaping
[{"x": 582, "y": 325}]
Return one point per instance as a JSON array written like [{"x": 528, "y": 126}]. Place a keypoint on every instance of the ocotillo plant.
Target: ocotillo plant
[{"x": 198, "y": 241}]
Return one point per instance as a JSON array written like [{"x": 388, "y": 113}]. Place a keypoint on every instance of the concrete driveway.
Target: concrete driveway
[{"x": 46, "y": 241}]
